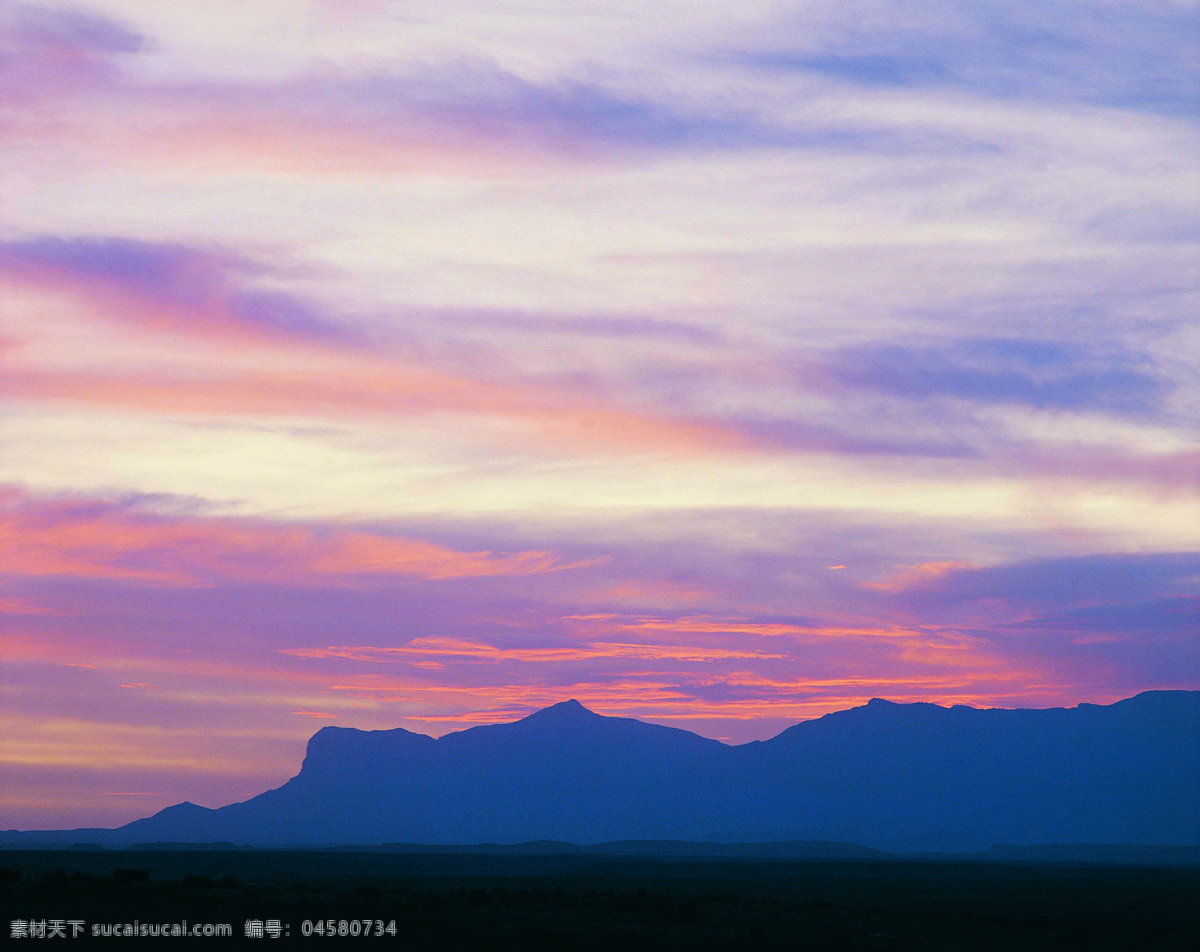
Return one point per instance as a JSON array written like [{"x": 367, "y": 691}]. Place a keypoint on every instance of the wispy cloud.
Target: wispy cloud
[
  {"x": 48, "y": 54},
  {"x": 91, "y": 540},
  {"x": 470, "y": 115},
  {"x": 1045, "y": 375},
  {"x": 457, "y": 650},
  {"x": 165, "y": 286},
  {"x": 1104, "y": 578},
  {"x": 1133, "y": 55}
]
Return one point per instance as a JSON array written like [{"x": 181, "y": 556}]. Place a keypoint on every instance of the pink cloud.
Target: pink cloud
[
  {"x": 727, "y": 626},
  {"x": 24, "y": 606},
  {"x": 48, "y": 55},
  {"x": 1174, "y": 474},
  {"x": 66, "y": 87},
  {"x": 323, "y": 369},
  {"x": 917, "y": 576},
  {"x": 460, "y": 649},
  {"x": 54, "y": 538},
  {"x": 554, "y": 419},
  {"x": 645, "y": 592},
  {"x": 198, "y": 293}
]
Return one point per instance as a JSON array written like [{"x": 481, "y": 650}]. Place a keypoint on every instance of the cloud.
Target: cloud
[
  {"x": 868, "y": 69},
  {"x": 95, "y": 540},
  {"x": 1177, "y": 616},
  {"x": 465, "y": 115},
  {"x": 48, "y": 54},
  {"x": 452, "y": 650},
  {"x": 921, "y": 575},
  {"x": 1033, "y": 586},
  {"x": 71, "y": 30},
  {"x": 315, "y": 361},
  {"x": 457, "y": 635},
  {"x": 323, "y": 364},
  {"x": 619, "y": 327},
  {"x": 569, "y": 116},
  {"x": 169, "y": 286},
  {"x": 539, "y": 418},
  {"x": 471, "y": 117},
  {"x": 806, "y": 436},
  {"x": 215, "y": 296},
  {"x": 1167, "y": 474},
  {"x": 1044, "y": 375},
  {"x": 1136, "y": 55}
]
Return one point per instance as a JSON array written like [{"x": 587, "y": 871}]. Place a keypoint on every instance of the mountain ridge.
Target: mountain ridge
[{"x": 884, "y": 775}]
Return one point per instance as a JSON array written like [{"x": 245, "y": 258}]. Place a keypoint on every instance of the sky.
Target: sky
[{"x": 386, "y": 364}]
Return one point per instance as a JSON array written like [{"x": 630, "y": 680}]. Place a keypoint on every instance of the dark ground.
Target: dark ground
[{"x": 473, "y": 901}]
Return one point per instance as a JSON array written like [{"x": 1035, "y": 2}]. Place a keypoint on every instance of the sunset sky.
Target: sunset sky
[{"x": 393, "y": 364}]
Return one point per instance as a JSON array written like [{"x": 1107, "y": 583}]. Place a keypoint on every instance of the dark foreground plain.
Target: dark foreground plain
[{"x": 560, "y": 901}]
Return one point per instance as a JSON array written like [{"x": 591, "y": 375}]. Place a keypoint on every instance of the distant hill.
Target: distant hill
[{"x": 900, "y": 777}]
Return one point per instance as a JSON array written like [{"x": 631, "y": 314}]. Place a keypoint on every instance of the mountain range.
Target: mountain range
[{"x": 897, "y": 777}]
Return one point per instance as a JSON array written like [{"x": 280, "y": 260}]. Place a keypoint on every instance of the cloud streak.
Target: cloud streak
[
  {"x": 163, "y": 286},
  {"x": 468, "y": 116},
  {"x": 58, "y": 538},
  {"x": 452, "y": 649},
  {"x": 1131, "y": 56},
  {"x": 1038, "y": 374}
]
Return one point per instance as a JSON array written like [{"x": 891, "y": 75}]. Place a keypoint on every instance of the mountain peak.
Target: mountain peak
[
  {"x": 569, "y": 714},
  {"x": 565, "y": 709}
]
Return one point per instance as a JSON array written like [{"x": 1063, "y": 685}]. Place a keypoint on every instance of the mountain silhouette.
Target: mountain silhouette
[{"x": 906, "y": 777}]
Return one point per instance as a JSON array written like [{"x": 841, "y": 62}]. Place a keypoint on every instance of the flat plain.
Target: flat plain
[{"x": 464, "y": 900}]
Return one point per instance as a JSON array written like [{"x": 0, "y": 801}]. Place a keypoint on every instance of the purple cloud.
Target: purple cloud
[
  {"x": 71, "y": 28},
  {"x": 1176, "y": 616},
  {"x": 1038, "y": 374},
  {"x": 193, "y": 290},
  {"x": 1135, "y": 56},
  {"x": 46, "y": 54},
  {"x": 793, "y": 434},
  {"x": 1091, "y": 578},
  {"x": 468, "y": 115}
]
